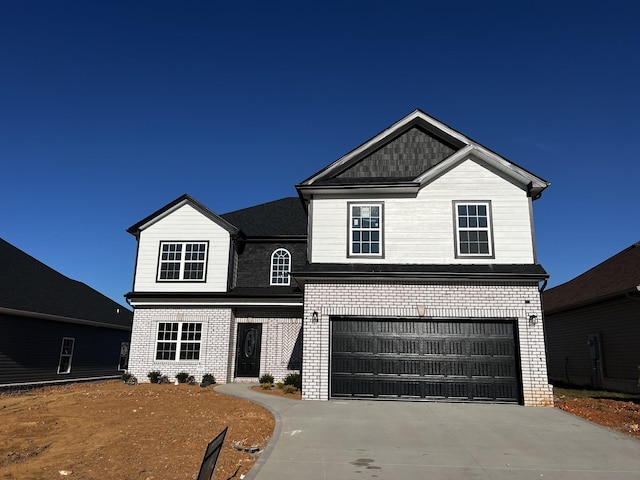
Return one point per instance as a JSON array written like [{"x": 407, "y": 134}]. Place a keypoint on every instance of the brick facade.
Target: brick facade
[
  {"x": 444, "y": 300},
  {"x": 281, "y": 341}
]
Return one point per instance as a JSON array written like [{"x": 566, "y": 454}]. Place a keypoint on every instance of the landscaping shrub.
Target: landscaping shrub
[
  {"x": 207, "y": 379},
  {"x": 266, "y": 385},
  {"x": 266, "y": 378},
  {"x": 191, "y": 380},
  {"x": 294, "y": 379},
  {"x": 182, "y": 377},
  {"x": 280, "y": 385},
  {"x": 289, "y": 389},
  {"x": 163, "y": 379},
  {"x": 154, "y": 376},
  {"x": 129, "y": 379}
]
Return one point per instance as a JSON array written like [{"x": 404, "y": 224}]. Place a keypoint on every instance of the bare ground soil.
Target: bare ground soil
[
  {"x": 115, "y": 431},
  {"x": 618, "y": 412},
  {"x": 155, "y": 432}
]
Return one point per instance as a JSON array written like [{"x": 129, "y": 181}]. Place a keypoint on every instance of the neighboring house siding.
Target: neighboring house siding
[
  {"x": 617, "y": 324},
  {"x": 30, "y": 350},
  {"x": 440, "y": 300},
  {"x": 280, "y": 345},
  {"x": 184, "y": 224},
  {"x": 421, "y": 229}
]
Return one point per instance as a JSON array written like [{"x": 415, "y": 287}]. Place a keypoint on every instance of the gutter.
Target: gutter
[{"x": 58, "y": 318}]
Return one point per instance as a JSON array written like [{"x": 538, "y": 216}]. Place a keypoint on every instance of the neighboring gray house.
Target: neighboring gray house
[
  {"x": 55, "y": 329},
  {"x": 405, "y": 269},
  {"x": 593, "y": 325}
]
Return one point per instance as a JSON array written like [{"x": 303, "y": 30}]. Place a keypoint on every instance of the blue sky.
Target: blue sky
[{"x": 110, "y": 110}]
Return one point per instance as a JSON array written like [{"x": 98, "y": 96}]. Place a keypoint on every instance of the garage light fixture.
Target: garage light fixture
[
  {"x": 314, "y": 317},
  {"x": 533, "y": 320}
]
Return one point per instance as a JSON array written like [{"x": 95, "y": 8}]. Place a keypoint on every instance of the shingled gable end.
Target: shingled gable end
[{"x": 405, "y": 269}]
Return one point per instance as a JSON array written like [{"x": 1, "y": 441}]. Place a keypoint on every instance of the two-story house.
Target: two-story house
[{"x": 405, "y": 269}]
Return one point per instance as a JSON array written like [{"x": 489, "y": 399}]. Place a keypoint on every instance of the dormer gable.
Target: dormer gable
[
  {"x": 184, "y": 247},
  {"x": 176, "y": 205},
  {"x": 408, "y": 155}
]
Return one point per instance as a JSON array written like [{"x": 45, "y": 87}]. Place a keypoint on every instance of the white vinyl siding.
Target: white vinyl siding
[
  {"x": 421, "y": 229},
  {"x": 173, "y": 228}
]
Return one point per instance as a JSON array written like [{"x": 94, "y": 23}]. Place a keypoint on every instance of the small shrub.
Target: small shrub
[
  {"x": 266, "y": 385},
  {"x": 154, "y": 376},
  {"x": 266, "y": 378},
  {"x": 289, "y": 389},
  {"x": 294, "y": 379},
  {"x": 191, "y": 380},
  {"x": 182, "y": 377},
  {"x": 280, "y": 385},
  {"x": 207, "y": 379},
  {"x": 132, "y": 380},
  {"x": 125, "y": 377},
  {"x": 163, "y": 379}
]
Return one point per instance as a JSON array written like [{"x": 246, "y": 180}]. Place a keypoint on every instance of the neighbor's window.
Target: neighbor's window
[
  {"x": 280, "y": 267},
  {"x": 182, "y": 261},
  {"x": 66, "y": 354},
  {"x": 178, "y": 341},
  {"x": 473, "y": 229},
  {"x": 365, "y": 229}
]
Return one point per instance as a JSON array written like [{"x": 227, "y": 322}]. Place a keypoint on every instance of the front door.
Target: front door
[{"x": 248, "y": 350}]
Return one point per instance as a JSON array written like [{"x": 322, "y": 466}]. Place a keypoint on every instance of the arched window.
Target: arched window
[{"x": 280, "y": 267}]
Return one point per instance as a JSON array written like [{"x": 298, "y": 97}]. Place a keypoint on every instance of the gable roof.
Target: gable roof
[
  {"x": 175, "y": 205},
  {"x": 615, "y": 276},
  {"x": 29, "y": 286},
  {"x": 409, "y": 154},
  {"x": 284, "y": 217}
]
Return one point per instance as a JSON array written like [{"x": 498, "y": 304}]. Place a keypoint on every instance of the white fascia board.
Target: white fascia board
[
  {"x": 391, "y": 189},
  {"x": 477, "y": 152}
]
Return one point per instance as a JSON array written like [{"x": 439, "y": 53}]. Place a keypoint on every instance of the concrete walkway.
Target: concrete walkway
[{"x": 353, "y": 439}]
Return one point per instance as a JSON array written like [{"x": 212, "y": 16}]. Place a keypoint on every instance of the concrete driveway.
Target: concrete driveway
[{"x": 423, "y": 440}]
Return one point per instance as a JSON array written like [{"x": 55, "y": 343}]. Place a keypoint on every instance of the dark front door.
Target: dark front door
[{"x": 248, "y": 350}]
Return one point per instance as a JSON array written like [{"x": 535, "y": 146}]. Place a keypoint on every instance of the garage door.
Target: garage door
[{"x": 453, "y": 360}]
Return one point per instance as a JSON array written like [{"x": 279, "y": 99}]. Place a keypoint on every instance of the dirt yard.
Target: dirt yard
[
  {"x": 155, "y": 432},
  {"x": 114, "y": 431},
  {"x": 621, "y": 414}
]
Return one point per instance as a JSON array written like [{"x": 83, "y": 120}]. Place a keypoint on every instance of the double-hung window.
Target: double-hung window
[
  {"x": 66, "y": 354},
  {"x": 280, "y": 267},
  {"x": 178, "y": 341},
  {"x": 182, "y": 261},
  {"x": 473, "y": 229},
  {"x": 365, "y": 229}
]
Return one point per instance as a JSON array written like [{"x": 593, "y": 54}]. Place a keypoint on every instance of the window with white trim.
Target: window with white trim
[
  {"x": 365, "y": 229},
  {"x": 178, "y": 341},
  {"x": 182, "y": 261},
  {"x": 280, "y": 267},
  {"x": 473, "y": 229},
  {"x": 66, "y": 355}
]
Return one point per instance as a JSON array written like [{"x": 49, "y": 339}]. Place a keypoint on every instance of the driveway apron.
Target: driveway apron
[{"x": 361, "y": 439}]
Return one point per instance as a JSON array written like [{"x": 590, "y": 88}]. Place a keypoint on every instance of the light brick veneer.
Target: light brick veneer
[
  {"x": 444, "y": 300},
  {"x": 280, "y": 352}
]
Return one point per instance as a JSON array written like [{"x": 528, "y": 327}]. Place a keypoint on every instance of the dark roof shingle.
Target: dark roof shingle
[
  {"x": 617, "y": 275},
  {"x": 29, "y": 285},
  {"x": 284, "y": 217}
]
